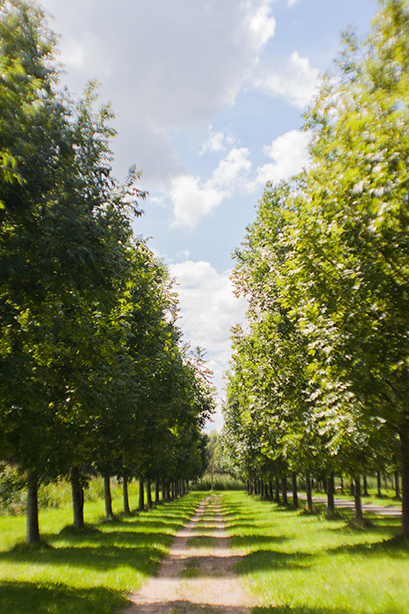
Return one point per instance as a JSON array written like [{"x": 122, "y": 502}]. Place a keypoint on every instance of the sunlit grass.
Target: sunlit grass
[
  {"x": 387, "y": 499},
  {"x": 306, "y": 564},
  {"x": 90, "y": 570}
]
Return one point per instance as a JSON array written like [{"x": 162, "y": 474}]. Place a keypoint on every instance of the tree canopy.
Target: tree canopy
[
  {"x": 326, "y": 268},
  {"x": 93, "y": 371}
]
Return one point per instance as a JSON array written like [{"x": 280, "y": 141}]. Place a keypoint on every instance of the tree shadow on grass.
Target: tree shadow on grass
[
  {"x": 127, "y": 538},
  {"x": 375, "y": 525},
  {"x": 29, "y": 598},
  {"x": 241, "y": 541},
  {"x": 99, "y": 556},
  {"x": 267, "y": 560},
  {"x": 286, "y": 609},
  {"x": 233, "y": 524},
  {"x": 395, "y": 547},
  {"x": 304, "y": 609}
]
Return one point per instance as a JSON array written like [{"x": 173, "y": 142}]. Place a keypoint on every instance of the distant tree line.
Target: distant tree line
[
  {"x": 319, "y": 379},
  {"x": 94, "y": 376}
]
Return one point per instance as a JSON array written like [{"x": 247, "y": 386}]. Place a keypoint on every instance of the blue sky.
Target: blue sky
[{"x": 209, "y": 96}]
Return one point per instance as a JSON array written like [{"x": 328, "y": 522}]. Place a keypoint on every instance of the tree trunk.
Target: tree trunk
[
  {"x": 157, "y": 492},
  {"x": 148, "y": 494},
  {"x": 342, "y": 485},
  {"x": 397, "y": 489},
  {"x": 163, "y": 489},
  {"x": 127, "y": 511},
  {"x": 358, "y": 503},
  {"x": 352, "y": 488},
  {"x": 108, "y": 499},
  {"x": 141, "y": 505},
  {"x": 295, "y": 490},
  {"x": 366, "y": 494},
  {"x": 277, "y": 491},
  {"x": 379, "y": 483},
  {"x": 33, "y": 529},
  {"x": 330, "y": 494},
  {"x": 284, "y": 490},
  {"x": 308, "y": 490},
  {"x": 404, "y": 448},
  {"x": 77, "y": 499}
]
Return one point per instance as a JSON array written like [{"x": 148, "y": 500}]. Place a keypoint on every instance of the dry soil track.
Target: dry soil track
[{"x": 197, "y": 576}]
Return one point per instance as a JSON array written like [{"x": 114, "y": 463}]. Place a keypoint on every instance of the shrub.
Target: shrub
[{"x": 221, "y": 481}]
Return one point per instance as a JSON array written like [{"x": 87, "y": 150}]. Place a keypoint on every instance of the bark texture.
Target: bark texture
[
  {"x": 330, "y": 494},
  {"x": 125, "y": 495},
  {"x": 33, "y": 529},
  {"x": 148, "y": 494},
  {"x": 357, "y": 497},
  {"x": 308, "y": 490},
  {"x": 277, "y": 491},
  {"x": 77, "y": 499},
  {"x": 284, "y": 490},
  {"x": 404, "y": 446},
  {"x": 141, "y": 505},
  {"x": 379, "y": 483},
  {"x": 295, "y": 490},
  {"x": 108, "y": 499}
]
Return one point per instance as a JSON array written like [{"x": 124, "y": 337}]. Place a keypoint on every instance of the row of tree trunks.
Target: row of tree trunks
[
  {"x": 33, "y": 531},
  {"x": 271, "y": 490}
]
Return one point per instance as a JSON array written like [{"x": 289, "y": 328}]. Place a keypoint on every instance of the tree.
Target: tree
[
  {"x": 64, "y": 228},
  {"x": 347, "y": 239}
]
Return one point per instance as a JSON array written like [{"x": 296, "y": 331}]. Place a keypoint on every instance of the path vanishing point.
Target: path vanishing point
[{"x": 197, "y": 576}]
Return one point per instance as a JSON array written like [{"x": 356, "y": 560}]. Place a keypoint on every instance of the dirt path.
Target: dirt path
[{"x": 197, "y": 577}]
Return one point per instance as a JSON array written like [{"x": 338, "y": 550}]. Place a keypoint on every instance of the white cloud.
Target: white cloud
[
  {"x": 292, "y": 77},
  {"x": 192, "y": 199},
  {"x": 231, "y": 168},
  {"x": 262, "y": 24},
  {"x": 166, "y": 66},
  {"x": 87, "y": 54},
  {"x": 292, "y": 2},
  {"x": 208, "y": 309},
  {"x": 289, "y": 153},
  {"x": 216, "y": 141},
  {"x": 208, "y": 306}
]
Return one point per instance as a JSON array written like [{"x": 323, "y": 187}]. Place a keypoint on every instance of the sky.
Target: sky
[{"x": 209, "y": 97}]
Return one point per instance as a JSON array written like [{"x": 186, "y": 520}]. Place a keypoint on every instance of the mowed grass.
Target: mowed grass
[
  {"x": 301, "y": 564},
  {"x": 89, "y": 571}
]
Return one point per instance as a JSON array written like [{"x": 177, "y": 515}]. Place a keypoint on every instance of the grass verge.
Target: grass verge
[
  {"x": 300, "y": 564},
  {"x": 88, "y": 571}
]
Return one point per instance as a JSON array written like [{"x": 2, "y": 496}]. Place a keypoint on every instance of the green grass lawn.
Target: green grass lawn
[
  {"x": 89, "y": 571},
  {"x": 302, "y": 564}
]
